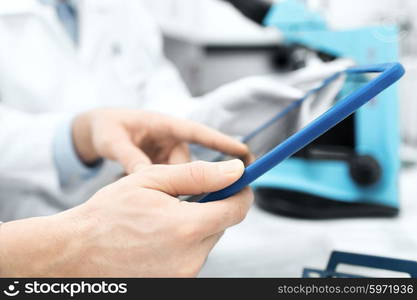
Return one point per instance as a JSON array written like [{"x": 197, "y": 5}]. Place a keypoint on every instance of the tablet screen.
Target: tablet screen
[{"x": 294, "y": 117}]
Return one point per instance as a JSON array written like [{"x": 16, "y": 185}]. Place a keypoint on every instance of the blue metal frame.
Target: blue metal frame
[
  {"x": 391, "y": 72},
  {"x": 375, "y": 262}
]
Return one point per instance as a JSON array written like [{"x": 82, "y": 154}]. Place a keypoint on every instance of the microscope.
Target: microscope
[{"x": 352, "y": 170}]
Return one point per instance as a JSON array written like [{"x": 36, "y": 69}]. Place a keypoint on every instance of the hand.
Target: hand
[
  {"x": 135, "y": 137},
  {"x": 242, "y": 106},
  {"x": 135, "y": 227}
]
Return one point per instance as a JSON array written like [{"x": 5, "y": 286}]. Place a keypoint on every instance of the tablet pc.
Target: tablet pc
[{"x": 273, "y": 142}]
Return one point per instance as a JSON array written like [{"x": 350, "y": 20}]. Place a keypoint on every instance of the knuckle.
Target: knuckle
[
  {"x": 242, "y": 206},
  {"x": 240, "y": 212},
  {"x": 188, "y": 232},
  {"x": 251, "y": 195},
  {"x": 131, "y": 197},
  {"x": 197, "y": 172}
]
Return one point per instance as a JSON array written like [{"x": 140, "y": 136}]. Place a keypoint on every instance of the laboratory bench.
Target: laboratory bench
[{"x": 266, "y": 245}]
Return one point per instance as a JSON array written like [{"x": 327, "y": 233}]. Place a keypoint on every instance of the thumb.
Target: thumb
[{"x": 190, "y": 179}]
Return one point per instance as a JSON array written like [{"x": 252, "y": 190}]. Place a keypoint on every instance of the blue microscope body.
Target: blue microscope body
[{"x": 365, "y": 182}]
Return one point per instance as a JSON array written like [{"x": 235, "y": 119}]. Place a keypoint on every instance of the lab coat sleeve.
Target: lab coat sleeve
[
  {"x": 26, "y": 148},
  {"x": 41, "y": 143},
  {"x": 71, "y": 170}
]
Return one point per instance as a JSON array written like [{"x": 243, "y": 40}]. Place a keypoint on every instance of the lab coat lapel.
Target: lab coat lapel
[
  {"x": 45, "y": 13},
  {"x": 95, "y": 25}
]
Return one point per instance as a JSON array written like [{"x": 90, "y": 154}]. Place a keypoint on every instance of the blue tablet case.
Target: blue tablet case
[{"x": 390, "y": 73}]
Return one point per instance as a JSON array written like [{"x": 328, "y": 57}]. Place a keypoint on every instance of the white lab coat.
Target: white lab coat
[
  {"x": 119, "y": 63},
  {"x": 27, "y": 171},
  {"x": 43, "y": 77}
]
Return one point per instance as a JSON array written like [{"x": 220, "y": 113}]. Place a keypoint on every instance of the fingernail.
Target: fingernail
[{"x": 231, "y": 166}]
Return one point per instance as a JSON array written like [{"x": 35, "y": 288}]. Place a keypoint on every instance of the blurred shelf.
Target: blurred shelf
[{"x": 257, "y": 37}]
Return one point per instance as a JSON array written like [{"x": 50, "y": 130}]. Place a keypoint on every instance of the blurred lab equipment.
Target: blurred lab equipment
[
  {"x": 209, "y": 53},
  {"x": 202, "y": 36},
  {"x": 409, "y": 112},
  {"x": 383, "y": 13},
  {"x": 254, "y": 10},
  {"x": 338, "y": 258},
  {"x": 352, "y": 170}
]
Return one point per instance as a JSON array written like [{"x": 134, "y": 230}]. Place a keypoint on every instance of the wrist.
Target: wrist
[{"x": 42, "y": 247}]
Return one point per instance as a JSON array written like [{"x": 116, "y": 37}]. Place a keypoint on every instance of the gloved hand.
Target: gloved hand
[{"x": 242, "y": 106}]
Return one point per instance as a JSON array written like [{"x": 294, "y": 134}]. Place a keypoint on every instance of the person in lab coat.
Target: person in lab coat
[
  {"x": 60, "y": 58},
  {"x": 128, "y": 220}
]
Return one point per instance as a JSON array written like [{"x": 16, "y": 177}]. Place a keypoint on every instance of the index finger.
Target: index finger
[
  {"x": 194, "y": 132},
  {"x": 215, "y": 217}
]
